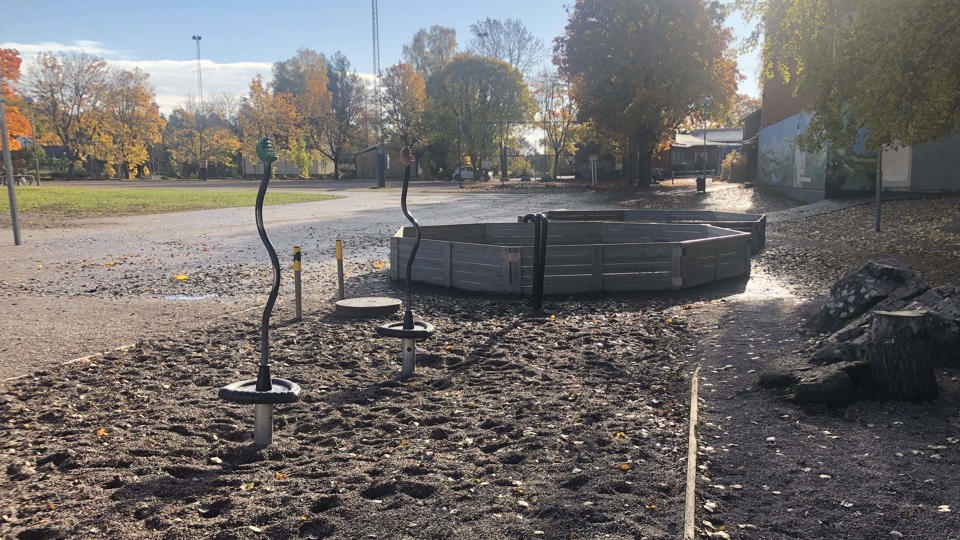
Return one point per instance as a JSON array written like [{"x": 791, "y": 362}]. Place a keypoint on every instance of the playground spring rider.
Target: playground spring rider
[
  {"x": 408, "y": 330},
  {"x": 264, "y": 392}
]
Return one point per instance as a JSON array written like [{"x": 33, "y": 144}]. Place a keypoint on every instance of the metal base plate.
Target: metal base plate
[
  {"x": 282, "y": 391},
  {"x": 367, "y": 307},
  {"x": 420, "y": 330}
]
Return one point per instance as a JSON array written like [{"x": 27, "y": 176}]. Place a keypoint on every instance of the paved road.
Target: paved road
[{"x": 78, "y": 291}]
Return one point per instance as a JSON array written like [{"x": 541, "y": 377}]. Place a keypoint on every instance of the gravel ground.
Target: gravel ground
[{"x": 561, "y": 425}]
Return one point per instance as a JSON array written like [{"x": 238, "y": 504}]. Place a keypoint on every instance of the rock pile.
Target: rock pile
[{"x": 842, "y": 366}]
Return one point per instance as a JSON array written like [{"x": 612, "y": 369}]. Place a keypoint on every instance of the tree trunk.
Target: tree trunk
[
  {"x": 643, "y": 173},
  {"x": 336, "y": 166},
  {"x": 556, "y": 164},
  {"x": 630, "y": 164},
  {"x": 900, "y": 356}
]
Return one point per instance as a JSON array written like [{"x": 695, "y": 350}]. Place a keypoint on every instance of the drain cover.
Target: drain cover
[{"x": 367, "y": 307}]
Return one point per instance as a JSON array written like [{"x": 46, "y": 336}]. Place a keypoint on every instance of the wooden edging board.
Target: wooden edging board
[{"x": 690, "y": 504}]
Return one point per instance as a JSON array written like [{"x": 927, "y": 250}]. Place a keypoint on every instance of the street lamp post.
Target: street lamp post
[
  {"x": 201, "y": 162},
  {"x": 702, "y": 180},
  {"x": 36, "y": 142}
]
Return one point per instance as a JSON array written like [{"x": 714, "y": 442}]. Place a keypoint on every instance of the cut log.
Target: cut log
[{"x": 900, "y": 354}]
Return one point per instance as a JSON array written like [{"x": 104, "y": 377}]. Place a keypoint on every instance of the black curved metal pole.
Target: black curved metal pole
[
  {"x": 263, "y": 373},
  {"x": 408, "y": 314},
  {"x": 539, "y": 256},
  {"x": 542, "y": 263}
]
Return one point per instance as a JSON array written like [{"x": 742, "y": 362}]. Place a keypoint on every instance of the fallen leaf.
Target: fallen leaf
[
  {"x": 943, "y": 508},
  {"x": 247, "y": 486},
  {"x": 102, "y": 432},
  {"x": 279, "y": 476},
  {"x": 180, "y": 277},
  {"x": 624, "y": 466}
]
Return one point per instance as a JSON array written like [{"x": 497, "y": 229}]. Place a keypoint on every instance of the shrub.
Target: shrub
[{"x": 734, "y": 167}]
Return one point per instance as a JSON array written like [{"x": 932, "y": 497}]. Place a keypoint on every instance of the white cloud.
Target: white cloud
[{"x": 173, "y": 80}]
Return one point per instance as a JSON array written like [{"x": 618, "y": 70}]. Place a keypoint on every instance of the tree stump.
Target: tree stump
[{"x": 900, "y": 354}]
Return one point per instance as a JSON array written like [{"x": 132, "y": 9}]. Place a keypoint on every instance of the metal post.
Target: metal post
[
  {"x": 381, "y": 168},
  {"x": 8, "y": 163},
  {"x": 459, "y": 157},
  {"x": 262, "y": 424},
  {"x": 339, "y": 253},
  {"x": 202, "y": 163},
  {"x": 409, "y": 358},
  {"x": 36, "y": 143},
  {"x": 297, "y": 292}
]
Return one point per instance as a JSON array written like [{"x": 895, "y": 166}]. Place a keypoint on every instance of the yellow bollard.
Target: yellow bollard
[{"x": 339, "y": 253}]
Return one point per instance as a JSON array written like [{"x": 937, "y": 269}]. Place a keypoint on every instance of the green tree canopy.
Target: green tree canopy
[
  {"x": 637, "y": 66},
  {"x": 480, "y": 96},
  {"x": 889, "y": 68}
]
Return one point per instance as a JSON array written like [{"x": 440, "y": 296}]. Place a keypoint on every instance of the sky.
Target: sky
[{"x": 243, "y": 38}]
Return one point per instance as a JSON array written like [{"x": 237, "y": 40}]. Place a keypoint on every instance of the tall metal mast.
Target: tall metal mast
[{"x": 381, "y": 158}]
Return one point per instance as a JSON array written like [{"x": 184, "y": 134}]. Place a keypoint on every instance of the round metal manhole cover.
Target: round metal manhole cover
[{"x": 367, "y": 306}]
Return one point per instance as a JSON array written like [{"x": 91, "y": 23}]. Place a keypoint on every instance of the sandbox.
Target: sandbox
[
  {"x": 580, "y": 256},
  {"x": 755, "y": 224}
]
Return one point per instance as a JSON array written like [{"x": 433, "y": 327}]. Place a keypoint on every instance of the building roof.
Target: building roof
[{"x": 715, "y": 137}]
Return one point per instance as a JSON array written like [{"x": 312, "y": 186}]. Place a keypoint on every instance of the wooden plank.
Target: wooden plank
[
  {"x": 637, "y": 281},
  {"x": 628, "y": 253},
  {"x": 554, "y": 284},
  {"x": 394, "y": 258},
  {"x": 448, "y": 265},
  {"x": 513, "y": 257},
  {"x": 638, "y": 266},
  {"x": 677, "y": 266},
  {"x": 596, "y": 270}
]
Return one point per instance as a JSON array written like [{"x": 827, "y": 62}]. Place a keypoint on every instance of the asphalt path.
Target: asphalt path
[{"x": 86, "y": 289}]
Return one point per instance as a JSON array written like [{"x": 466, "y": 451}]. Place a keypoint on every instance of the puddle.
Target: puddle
[{"x": 189, "y": 297}]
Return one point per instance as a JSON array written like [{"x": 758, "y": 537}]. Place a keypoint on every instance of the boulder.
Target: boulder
[
  {"x": 837, "y": 384},
  {"x": 888, "y": 282}
]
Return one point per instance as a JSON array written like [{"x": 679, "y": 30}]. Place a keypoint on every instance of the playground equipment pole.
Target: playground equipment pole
[{"x": 8, "y": 163}]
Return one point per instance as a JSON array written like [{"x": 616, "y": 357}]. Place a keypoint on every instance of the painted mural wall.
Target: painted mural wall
[{"x": 781, "y": 163}]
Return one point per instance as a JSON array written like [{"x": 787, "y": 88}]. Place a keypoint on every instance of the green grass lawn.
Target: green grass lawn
[{"x": 84, "y": 201}]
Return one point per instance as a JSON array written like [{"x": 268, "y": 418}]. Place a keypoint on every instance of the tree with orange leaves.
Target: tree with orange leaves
[{"x": 17, "y": 124}]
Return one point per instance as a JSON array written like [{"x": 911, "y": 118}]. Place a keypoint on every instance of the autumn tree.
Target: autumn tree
[
  {"x": 404, "y": 103},
  {"x": 130, "y": 122},
  {"x": 221, "y": 145},
  {"x": 888, "y": 70},
  {"x": 17, "y": 124},
  {"x": 637, "y": 66},
  {"x": 507, "y": 40},
  {"x": 741, "y": 106},
  {"x": 267, "y": 113},
  {"x": 479, "y": 97},
  {"x": 431, "y": 49},
  {"x": 557, "y": 112},
  {"x": 69, "y": 90},
  {"x": 303, "y": 82}
]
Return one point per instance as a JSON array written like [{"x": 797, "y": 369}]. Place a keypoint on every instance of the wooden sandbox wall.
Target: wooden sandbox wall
[
  {"x": 755, "y": 224},
  {"x": 581, "y": 257}
]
